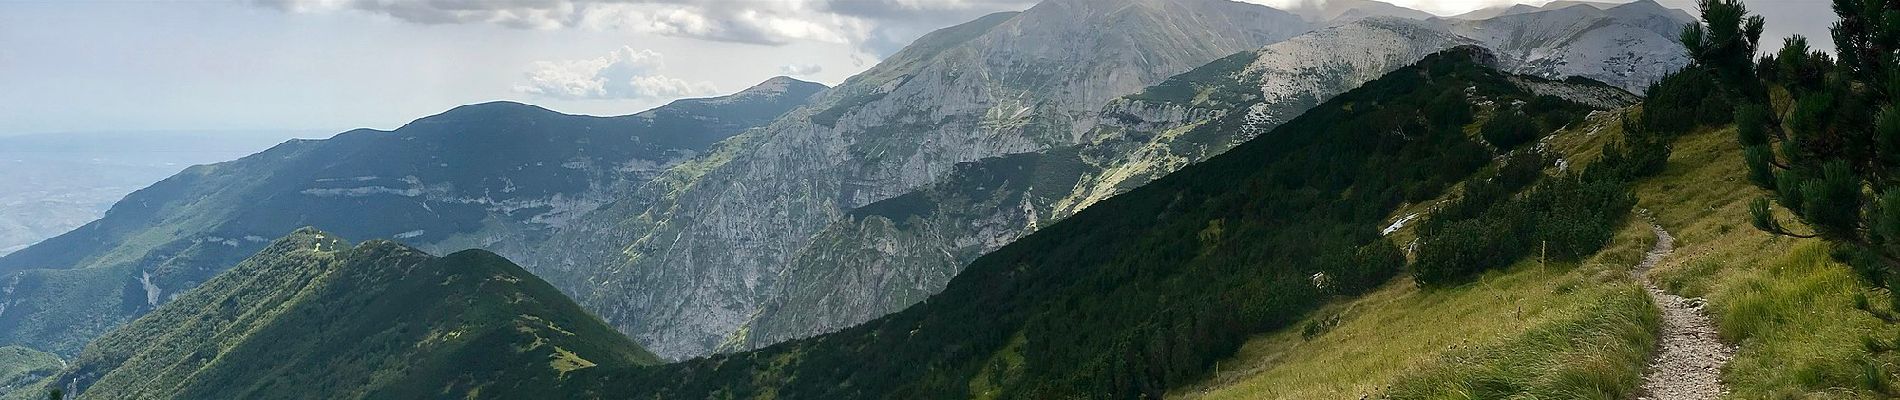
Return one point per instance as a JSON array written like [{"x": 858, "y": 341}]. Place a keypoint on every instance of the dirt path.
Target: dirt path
[{"x": 1690, "y": 363}]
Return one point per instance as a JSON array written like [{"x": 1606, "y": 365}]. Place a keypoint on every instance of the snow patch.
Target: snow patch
[{"x": 1396, "y": 225}]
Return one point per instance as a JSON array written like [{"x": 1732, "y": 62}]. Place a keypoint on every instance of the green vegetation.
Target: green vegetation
[
  {"x": 20, "y": 367},
  {"x": 1565, "y": 218},
  {"x": 1822, "y": 137},
  {"x": 1683, "y": 101},
  {"x": 1510, "y": 128},
  {"x": 312, "y": 317}
]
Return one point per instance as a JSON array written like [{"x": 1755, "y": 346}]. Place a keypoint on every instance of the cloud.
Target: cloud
[
  {"x": 1437, "y": 7},
  {"x": 871, "y": 24},
  {"x": 800, "y": 69},
  {"x": 755, "y": 22},
  {"x": 625, "y": 73}
]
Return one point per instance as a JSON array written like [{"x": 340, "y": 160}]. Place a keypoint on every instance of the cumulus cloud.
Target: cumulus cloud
[
  {"x": 800, "y": 69},
  {"x": 625, "y": 73},
  {"x": 873, "y": 24}
]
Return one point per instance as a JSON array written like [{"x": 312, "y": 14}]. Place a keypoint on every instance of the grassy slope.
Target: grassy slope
[
  {"x": 1790, "y": 308},
  {"x": 1396, "y": 336},
  {"x": 1554, "y": 339}
]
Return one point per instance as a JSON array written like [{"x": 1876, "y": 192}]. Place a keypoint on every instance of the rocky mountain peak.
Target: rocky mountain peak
[{"x": 771, "y": 89}]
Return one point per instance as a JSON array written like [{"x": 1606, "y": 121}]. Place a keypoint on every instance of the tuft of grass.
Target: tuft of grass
[{"x": 1597, "y": 352}]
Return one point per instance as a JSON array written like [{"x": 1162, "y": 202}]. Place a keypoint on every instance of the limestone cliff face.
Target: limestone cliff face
[
  {"x": 1628, "y": 46},
  {"x": 889, "y": 255},
  {"x": 689, "y": 259}
]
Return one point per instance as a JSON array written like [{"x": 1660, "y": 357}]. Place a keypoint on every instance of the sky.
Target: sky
[{"x": 333, "y": 65}]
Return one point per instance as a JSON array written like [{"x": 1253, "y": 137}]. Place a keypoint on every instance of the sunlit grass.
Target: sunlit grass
[{"x": 1533, "y": 326}]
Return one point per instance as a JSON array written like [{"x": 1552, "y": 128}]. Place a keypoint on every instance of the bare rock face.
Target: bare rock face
[
  {"x": 689, "y": 259},
  {"x": 1628, "y": 46},
  {"x": 889, "y": 255}
]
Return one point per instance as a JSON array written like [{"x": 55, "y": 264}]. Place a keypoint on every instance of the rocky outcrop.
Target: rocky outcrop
[{"x": 1629, "y": 46}]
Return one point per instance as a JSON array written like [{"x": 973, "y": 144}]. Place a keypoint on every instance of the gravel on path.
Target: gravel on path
[{"x": 1690, "y": 363}]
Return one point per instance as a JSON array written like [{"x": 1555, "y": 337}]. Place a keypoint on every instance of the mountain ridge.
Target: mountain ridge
[{"x": 312, "y": 316}]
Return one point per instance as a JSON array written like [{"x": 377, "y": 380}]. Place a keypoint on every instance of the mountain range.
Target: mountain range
[
  {"x": 1150, "y": 274},
  {"x": 790, "y": 209},
  {"x": 490, "y": 175},
  {"x": 1200, "y": 199}
]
